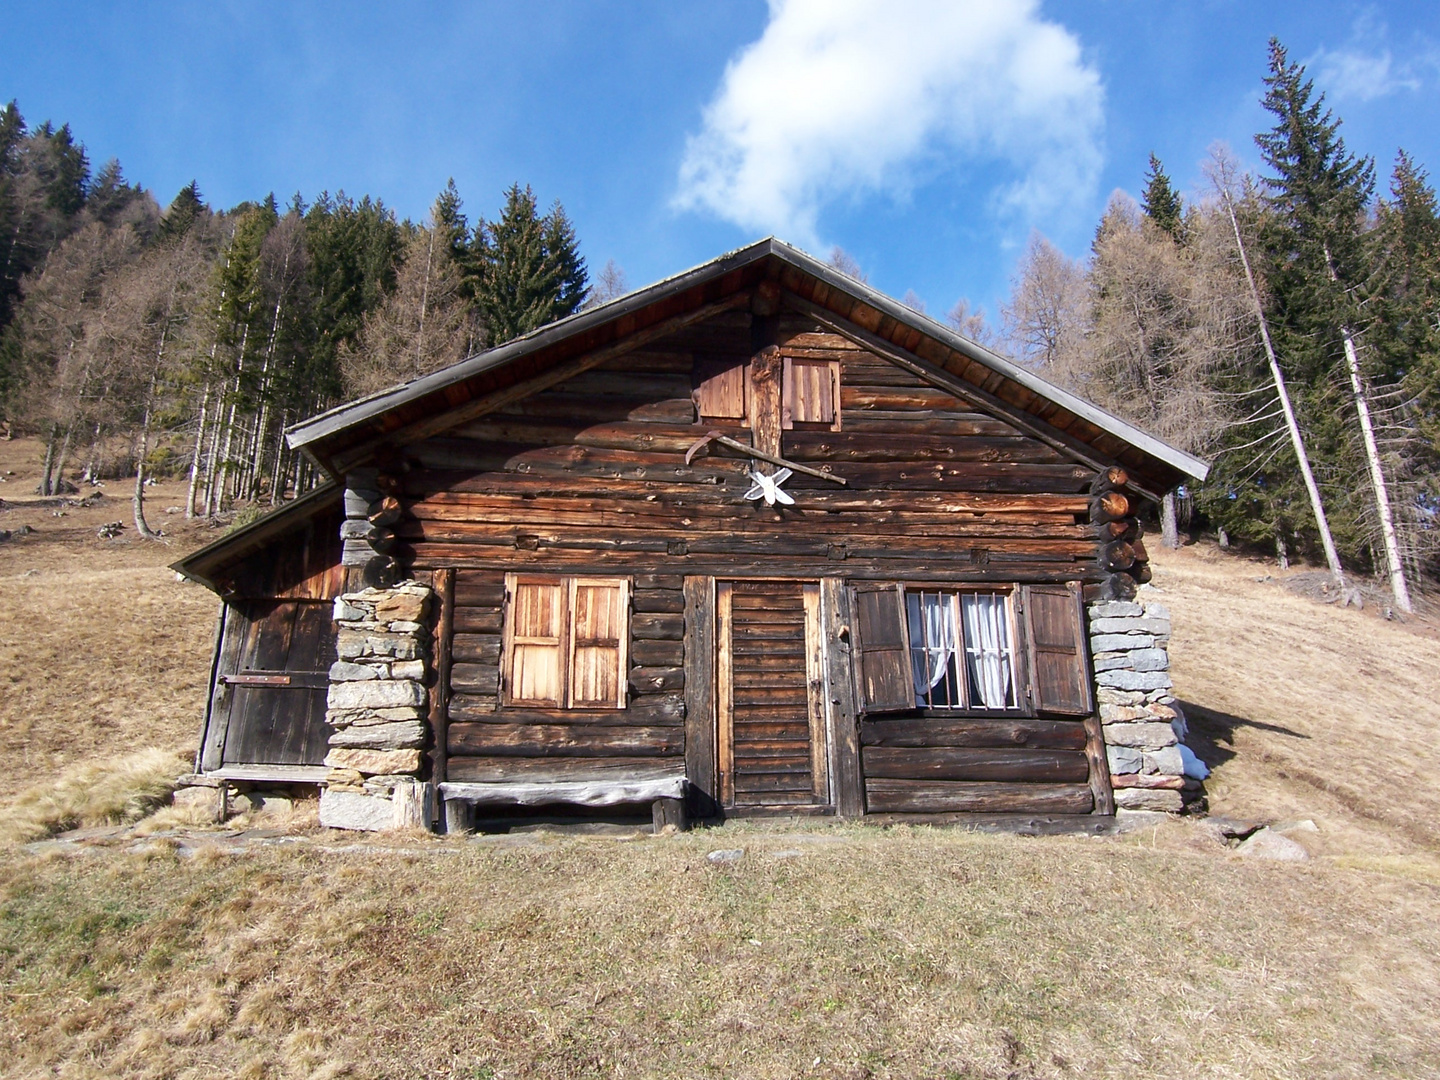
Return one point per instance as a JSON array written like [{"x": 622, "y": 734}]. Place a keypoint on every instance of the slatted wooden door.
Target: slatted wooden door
[
  {"x": 275, "y": 671},
  {"x": 770, "y": 699}
]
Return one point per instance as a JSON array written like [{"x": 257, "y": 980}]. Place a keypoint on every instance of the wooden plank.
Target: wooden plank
[
  {"x": 658, "y": 653},
  {"x": 966, "y": 763},
  {"x": 659, "y": 601},
  {"x": 542, "y": 792},
  {"x": 476, "y": 649},
  {"x": 559, "y": 770},
  {"x": 649, "y": 627},
  {"x": 842, "y": 715},
  {"x": 1099, "y": 767},
  {"x": 940, "y": 731},
  {"x": 700, "y": 694},
  {"x": 564, "y": 740},
  {"x": 216, "y": 719},
  {"x": 444, "y": 585},
  {"x": 945, "y": 796},
  {"x": 724, "y": 696},
  {"x": 652, "y": 709}
]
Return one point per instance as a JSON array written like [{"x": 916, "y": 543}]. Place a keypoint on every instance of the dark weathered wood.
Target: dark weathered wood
[
  {"x": 1060, "y": 677},
  {"x": 841, "y": 707},
  {"x": 558, "y": 769},
  {"x": 564, "y": 740},
  {"x": 940, "y": 796},
  {"x": 647, "y": 627},
  {"x": 477, "y": 620},
  {"x": 652, "y": 709},
  {"x": 957, "y": 763},
  {"x": 937, "y": 731},
  {"x": 657, "y": 653},
  {"x": 658, "y": 601},
  {"x": 667, "y": 813},
  {"x": 476, "y": 649},
  {"x": 443, "y": 582},
  {"x": 475, "y": 678},
  {"x": 883, "y": 675},
  {"x": 699, "y": 660},
  {"x": 1099, "y": 767},
  {"x": 651, "y": 680}
]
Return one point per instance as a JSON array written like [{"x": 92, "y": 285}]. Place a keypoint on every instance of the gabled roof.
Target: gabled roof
[{"x": 350, "y": 434}]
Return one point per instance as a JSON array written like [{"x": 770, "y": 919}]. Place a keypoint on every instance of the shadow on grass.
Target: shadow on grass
[{"x": 1212, "y": 732}]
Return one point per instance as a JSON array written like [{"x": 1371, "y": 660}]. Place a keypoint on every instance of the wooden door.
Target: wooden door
[
  {"x": 770, "y": 707},
  {"x": 274, "y": 675}
]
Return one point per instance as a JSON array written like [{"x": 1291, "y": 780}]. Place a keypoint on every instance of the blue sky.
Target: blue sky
[{"x": 928, "y": 138}]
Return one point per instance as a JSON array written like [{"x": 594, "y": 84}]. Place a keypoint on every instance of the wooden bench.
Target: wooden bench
[{"x": 666, "y": 796}]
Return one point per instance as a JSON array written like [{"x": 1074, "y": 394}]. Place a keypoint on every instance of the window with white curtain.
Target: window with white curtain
[{"x": 962, "y": 653}]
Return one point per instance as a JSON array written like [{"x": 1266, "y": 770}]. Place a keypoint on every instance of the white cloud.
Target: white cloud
[
  {"x": 1364, "y": 68},
  {"x": 843, "y": 97}
]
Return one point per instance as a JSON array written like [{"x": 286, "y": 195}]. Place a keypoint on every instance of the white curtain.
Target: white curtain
[
  {"x": 987, "y": 647},
  {"x": 932, "y": 639}
]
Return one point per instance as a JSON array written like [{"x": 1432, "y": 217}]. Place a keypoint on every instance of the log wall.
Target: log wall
[
  {"x": 487, "y": 741},
  {"x": 591, "y": 475}
]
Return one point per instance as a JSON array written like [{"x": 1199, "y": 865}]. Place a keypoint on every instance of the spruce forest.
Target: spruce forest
[{"x": 1285, "y": 326}]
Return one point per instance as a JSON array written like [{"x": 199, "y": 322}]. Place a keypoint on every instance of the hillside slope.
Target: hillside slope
[{"x": 846, "y": 952}]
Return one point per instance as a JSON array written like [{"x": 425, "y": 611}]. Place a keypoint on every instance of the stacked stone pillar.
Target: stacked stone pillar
[
  {"x": 1142, "y": 723},
  {"x": 377, "y": 706}
]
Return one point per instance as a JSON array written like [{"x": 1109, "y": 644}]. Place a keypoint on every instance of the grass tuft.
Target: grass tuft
[{"x": 100, "y": 793}]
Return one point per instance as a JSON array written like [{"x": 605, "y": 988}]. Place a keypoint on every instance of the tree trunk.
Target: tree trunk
[
  {"x": 1398, "y": 585},
  {"x": 45, "y": 488},
  {"x": 1169, "y": 529},
  {"x": 138, "y": 502},
  {"x": 1327, "y": 541},
  {"x": 199, "y": 450},
  {"x": 1281, "y": 555}
]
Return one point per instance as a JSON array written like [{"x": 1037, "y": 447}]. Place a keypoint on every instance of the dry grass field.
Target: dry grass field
[{"x": 275, "y": 949}]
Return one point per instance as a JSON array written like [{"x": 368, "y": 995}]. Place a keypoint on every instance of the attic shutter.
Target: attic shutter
[
  {"x": 882, "y": 649},
  {"x": 598, "y": 642},
  {"x": 534, "y": 631},
  {"x": 720, "y": 391},
  {"x": 1060, "y": 678},
  {"x": 811, "y": 392}
]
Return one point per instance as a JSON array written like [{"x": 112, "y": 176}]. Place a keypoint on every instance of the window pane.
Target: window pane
[
  {"x": 934, "y": 646},
  {"x": 989, "y": 657}
]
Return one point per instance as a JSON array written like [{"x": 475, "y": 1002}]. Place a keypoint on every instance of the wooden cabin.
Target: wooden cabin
[{"x": 756, "y": 537}]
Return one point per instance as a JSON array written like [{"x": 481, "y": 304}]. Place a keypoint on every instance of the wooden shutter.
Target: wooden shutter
[
  {"x": 811, "y": 393},
  {"x": 598, "y": 642},
  {"x": 882, "y": 649},
  {"x": 1059, "y": 675},
  {"x": 534, "y": 645},
  {"x": 720, "y": 391}
]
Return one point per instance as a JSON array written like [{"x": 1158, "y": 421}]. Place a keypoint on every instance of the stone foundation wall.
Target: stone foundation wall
[
  {"x": 1143, "y": 725},
  {"x": 377, "y": 706}
]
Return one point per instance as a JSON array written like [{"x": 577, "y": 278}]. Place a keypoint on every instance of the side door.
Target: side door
[{"x": 271, "y": 684}]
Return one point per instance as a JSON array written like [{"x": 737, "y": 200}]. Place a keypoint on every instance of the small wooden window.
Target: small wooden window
[
  {"x": 566, "y": 643},
  {"x": 1061, "y": 680},
  {"x": 811, "y": 394},
  {"x": 722, "y": 390}
]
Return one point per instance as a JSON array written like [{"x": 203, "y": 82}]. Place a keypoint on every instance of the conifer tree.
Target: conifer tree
[
  {"x": 184, "y": 209},
  {"x": 528, "y": 270},
  {"x": 1161, "y": 202}
]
